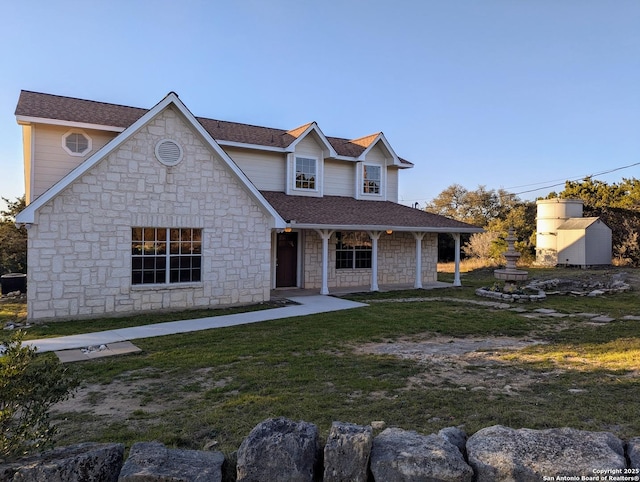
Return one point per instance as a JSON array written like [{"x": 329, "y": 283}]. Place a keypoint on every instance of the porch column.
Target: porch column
[
  {"x": 325, "y": 234},
  {"x": 418, "y": 283},
  {"x": 456, "y": 276},
  {"x": 374, "y": 235}
]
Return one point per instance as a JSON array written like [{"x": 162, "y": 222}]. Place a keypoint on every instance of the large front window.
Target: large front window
[
  {"x": 165, "y": 255},
  {"x": 305, "y": 173},
  {"x": 372, "y": 176},
  {"x": 353, "y": 250}
]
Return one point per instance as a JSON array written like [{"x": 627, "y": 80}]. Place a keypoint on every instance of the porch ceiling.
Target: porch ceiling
[{"x": 337, "y": 212}]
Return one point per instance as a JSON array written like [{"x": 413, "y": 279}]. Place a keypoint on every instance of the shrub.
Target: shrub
[{"x": 29, "y": 385}]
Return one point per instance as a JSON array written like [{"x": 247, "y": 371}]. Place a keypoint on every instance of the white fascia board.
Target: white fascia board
[
  {"x": 314, "y": 127},
  {"x": 257, "y": 147},
  {"x": 346, "y": 158},
  {"x": 366, "y": 227},
  {"x": 383, "y": 139},
  {"x": 400, "y": 165},
  {"x": 57, "y": 122}
]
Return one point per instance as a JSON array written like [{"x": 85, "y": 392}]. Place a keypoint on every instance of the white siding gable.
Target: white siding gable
[{"x": 51, "y": 162}]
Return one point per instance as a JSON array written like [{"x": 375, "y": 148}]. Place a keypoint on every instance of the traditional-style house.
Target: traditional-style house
[{"x": 133, "y": 210}]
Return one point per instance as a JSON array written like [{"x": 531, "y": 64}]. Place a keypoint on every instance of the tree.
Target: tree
[
  {"x": 13, "y": 241},
  {"x": 599, "y": 194},
  {"x": 450, "y": 203},
  {"x": 477, "y": 207},
  {"x": 494, "y": 210},
  {"x": 29, "y": 385},
  {"x": 481, "y": 245}
]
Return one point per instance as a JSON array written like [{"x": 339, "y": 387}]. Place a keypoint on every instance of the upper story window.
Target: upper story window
[
  {"x": 76, "y": 143},
  {"x": 372, "y": 179},
  {"x": 306, "y": 173}
]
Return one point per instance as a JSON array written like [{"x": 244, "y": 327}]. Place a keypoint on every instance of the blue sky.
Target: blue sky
[{"x": 514, "y": 94}]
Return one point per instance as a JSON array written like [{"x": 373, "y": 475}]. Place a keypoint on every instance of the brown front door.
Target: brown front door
[{"x": 287, "y": 260}]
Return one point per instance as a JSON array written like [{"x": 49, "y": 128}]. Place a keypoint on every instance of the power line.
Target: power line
[
  {"x": 558, "y": 182},
  {"x": 572, "y": 179}
]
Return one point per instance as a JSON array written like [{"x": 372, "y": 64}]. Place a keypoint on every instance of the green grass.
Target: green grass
[{"x": 186, "y": 390}]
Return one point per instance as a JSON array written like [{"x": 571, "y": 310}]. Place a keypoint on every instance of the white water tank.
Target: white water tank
[{"x": 551, "y": 213}]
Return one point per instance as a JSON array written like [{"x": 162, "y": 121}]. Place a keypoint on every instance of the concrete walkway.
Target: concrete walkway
[{"x": 307, "y": 305}]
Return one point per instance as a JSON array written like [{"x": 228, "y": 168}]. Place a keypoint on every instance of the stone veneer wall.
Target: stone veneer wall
[
  {"x": 396, "y": 261},
  {"x": 80, "y": 246}
]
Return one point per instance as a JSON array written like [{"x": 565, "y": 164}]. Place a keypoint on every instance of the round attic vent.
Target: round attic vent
[{"x": 168, "y": 152}]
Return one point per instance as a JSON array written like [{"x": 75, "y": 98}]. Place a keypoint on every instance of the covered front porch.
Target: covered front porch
[
  {"x": 332, "y": 243},
  {"x": 335, "y": 261}
]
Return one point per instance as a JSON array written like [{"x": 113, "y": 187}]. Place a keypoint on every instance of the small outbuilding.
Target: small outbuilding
[{"x": 584, "y": 242}]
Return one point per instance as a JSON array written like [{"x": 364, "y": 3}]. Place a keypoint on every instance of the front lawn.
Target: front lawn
[{"x": 213, "y": 387}]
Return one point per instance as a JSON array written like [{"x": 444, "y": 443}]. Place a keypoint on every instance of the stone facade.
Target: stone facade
[
  {"x": 80, "y": 246},
  {"x": 396, "y": 261}
]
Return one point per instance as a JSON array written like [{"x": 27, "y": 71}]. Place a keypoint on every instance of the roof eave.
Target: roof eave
[
  {"x": 258, "y": 147},
  {"x": 26, "y": 120},
  {"x": 379, "y": 227}
]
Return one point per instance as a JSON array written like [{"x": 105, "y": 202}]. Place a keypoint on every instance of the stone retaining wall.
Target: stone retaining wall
[{"x": 283, "y": 450}]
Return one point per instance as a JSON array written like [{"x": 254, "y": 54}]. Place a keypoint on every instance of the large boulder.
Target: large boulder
[
  {"x": 455, "y": 436},
  {"x": 280, "y": 450},
  {"x": 83, "y": 462},
  {"x": 502, "y": 453},
  {"x": 401, "y": 455},
  {"x": 153, "y": 462},
  {"x": 346, "y": 453},
  {"x": 633, "y": 452}
]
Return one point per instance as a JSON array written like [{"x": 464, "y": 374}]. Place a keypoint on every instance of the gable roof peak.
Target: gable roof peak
[
  {"x": 366, "y": 141},
  {"x": 300, "y": 130}
]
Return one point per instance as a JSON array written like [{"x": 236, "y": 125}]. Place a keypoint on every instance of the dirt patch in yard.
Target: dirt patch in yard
[
  {"x": 145, "y": 391},
  {"x": 460, "y": 363}
]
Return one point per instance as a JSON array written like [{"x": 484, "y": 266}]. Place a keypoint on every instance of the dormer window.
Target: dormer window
[
  {"x": 372, "y": 179},
  {"x": 76, "y": 143},
  {"x": 306, "y": 173}
]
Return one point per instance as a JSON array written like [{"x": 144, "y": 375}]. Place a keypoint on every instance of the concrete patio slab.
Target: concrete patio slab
[
  {"x": 602, "y": 319},
  {"x": 89, "y": 353}
]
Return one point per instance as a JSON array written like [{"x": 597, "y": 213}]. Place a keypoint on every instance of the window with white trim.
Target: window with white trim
[
  {"x": 166, "y": 255},
  {"x": 76, "y": 143},
  {"x": 306, "y": 173},
  {"x": 353, "y": 250},
  {"x": 372, "y": 179}
]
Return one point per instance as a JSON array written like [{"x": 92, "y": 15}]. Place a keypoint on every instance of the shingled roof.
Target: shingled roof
[
  {"x": 48, "y": 106},
  {"x": 334, "y": 212}
]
